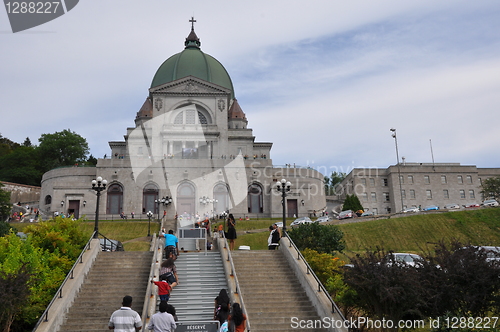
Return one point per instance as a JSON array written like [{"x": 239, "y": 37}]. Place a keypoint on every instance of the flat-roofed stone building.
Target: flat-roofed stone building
[{"x": 422, "y": 184}]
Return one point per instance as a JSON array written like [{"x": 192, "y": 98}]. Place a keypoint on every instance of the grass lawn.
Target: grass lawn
[{"x": 406, "y": 234}]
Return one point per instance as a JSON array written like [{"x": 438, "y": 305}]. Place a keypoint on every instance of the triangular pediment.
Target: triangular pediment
[{"x": 189, "y": 85}]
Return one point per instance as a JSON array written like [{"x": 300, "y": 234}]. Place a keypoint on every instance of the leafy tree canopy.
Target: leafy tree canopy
[
  {"x": 21, "y": 166},
  {"x": 352, "y": 203},
  {"x": 63, "y": 148},
  {"x": 322, "y": 238},
  {"x": 491, "y": 188},
  {"x": 332, "y": 181},
  {"x": 4, "y": 204}
]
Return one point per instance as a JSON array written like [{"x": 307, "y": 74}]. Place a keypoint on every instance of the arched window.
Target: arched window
[
  {"x": 255, "y": 199},
  {"x": 115, "y": 199},
  {"x": 149, "y": 195},
  {"x": 193, "y": 116},
  {"x": 48, "y": 199}
]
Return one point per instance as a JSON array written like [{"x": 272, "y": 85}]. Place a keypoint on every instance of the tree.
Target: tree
[
  {"x": 7, "y": 146},
  {"x": 352, "y": 203},
  {"x": 332, "y": 181},
  {"x": 27, "y": 142},
  {"x": 322, "y": 238},
  {"x": 4, "y": 203},
  {"x": 491, "y": 188},
  {"x": 65, "y": 148},
  {"x": 14, "y": 291},
  {"x": 21, "y": 166}
]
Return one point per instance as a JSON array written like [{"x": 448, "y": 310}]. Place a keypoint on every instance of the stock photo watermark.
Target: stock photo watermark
[{"x": 24, "y": 15}]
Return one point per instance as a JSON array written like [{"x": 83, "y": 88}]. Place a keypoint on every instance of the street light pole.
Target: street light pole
[
  {"x": 98, "y": 185},
  {"x": 149, "y": 214},
  {"x": 283, "y": 187},
  {"x": 399, "y": 169}
]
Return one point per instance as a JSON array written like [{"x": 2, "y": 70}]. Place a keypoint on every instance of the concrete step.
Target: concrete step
[{"x": 114, "y": 275}]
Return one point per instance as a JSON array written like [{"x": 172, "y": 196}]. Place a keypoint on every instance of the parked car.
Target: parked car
[
  {"x": 472, "y": 205},
  {"x": 403, "y": 258},
  {"x": 346, "y": 214},
  {"x": 452, "y": 206},
  {"x": 300, "y": 221},
  {"x": 279, "y": 224},
  {"x": 411, "y": 209},
  {"x": 492, "y": 253},
  {"x": 111, "y": 245},
  {"x": 490, "y": 202},
  {"x": 322, "y": 219},
  {"x": 431, "y": 208},
  {"x": 367, "y": 214}
]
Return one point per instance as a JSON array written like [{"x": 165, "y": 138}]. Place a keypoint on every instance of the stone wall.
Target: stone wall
[{"x": 27, "y": 195}]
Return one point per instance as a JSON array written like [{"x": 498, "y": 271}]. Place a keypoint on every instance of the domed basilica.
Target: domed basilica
[{"x": 191, "y": 144}]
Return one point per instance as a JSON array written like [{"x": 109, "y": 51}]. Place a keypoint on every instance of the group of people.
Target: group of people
[
  {"x": 230, "y": 317},
  {"x": 127, "y": 319}
]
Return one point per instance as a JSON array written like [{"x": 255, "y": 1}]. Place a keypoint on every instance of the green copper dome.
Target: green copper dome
[{"x": 193, "y": 62}]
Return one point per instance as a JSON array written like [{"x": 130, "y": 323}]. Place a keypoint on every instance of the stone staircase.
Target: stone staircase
[
  {"x": 113, "y": 275},
  {"x": 271, "y": 292},
  {"x": 201, "y": 277}
]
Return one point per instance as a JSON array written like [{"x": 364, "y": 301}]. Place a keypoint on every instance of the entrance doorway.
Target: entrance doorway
[
  {"x": 291, "y": 207},
  {"x": 74, "y": 208}
]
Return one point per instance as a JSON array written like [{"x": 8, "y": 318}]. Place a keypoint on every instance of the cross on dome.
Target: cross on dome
[{"x": 192, "y": 20}]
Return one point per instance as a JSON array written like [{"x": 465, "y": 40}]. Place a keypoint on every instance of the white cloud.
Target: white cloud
[{"x": 336, "y": 74}]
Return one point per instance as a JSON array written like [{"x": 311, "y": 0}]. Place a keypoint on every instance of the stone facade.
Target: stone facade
[
  {"x": 190, "y": 143},
  {"x": 422, "y": 184}
]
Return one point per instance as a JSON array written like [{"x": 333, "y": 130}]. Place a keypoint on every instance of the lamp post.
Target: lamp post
[
  {"x": 283, "y": 187},
  {"x": 165, "y": 201},
  {"x": 149, "y": 214},
  {"x": 98, "y": 185},
  {"x": 204, "y": 200},
  {"x": 399, "y": 169}
]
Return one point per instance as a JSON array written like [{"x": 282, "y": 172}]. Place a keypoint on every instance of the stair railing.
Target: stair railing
[
  {"x": 233, "y": 274},
  {"x": 59, "y": 294},
  {"x": 149, "y": 307},
  {"x": 310, "y": 271}
]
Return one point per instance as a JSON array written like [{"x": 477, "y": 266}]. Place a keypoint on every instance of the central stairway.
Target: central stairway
[
  {"x": 271, "y": 292},
  {"x": 201, "y": 277}
]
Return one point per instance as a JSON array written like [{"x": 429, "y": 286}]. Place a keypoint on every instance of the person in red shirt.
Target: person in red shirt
[{"x": 163, "y": 288}]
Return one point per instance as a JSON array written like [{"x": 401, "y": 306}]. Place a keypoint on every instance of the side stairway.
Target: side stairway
[
  {"x": 271, "y": 292},
  {"x": 113, "y": 275},
  {"x": 201, "y": 277}
]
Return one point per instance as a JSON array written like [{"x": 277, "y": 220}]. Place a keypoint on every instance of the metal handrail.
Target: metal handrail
[
  {"x": 45, "y": 316},
  {"x": 233, "y": 273},
  {"x": 322, "y": 288}
]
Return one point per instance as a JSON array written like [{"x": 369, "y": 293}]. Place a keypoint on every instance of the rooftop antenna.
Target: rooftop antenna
[{"x": 432, "y": 155}]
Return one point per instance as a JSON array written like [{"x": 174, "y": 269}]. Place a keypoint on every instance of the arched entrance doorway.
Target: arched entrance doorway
[
  {"x": 115, "y": 199},
  {"x": 149, "y": 194},
  {"x": 186, "y": 199},
  {"x": 255, "y": 199},
  {"x": 221, "y": 197}
]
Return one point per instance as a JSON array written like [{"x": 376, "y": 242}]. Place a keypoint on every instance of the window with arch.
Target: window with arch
[
  {"x": 149, "y": 195},
  {"x": 48, "y": 199},
  {"x": 255, "y": 199},
  {"x": 191, "y": 117},
  {"x": 114, "y": 199}
]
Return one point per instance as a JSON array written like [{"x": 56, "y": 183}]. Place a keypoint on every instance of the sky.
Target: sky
[{"x": 324, "y": 80}]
